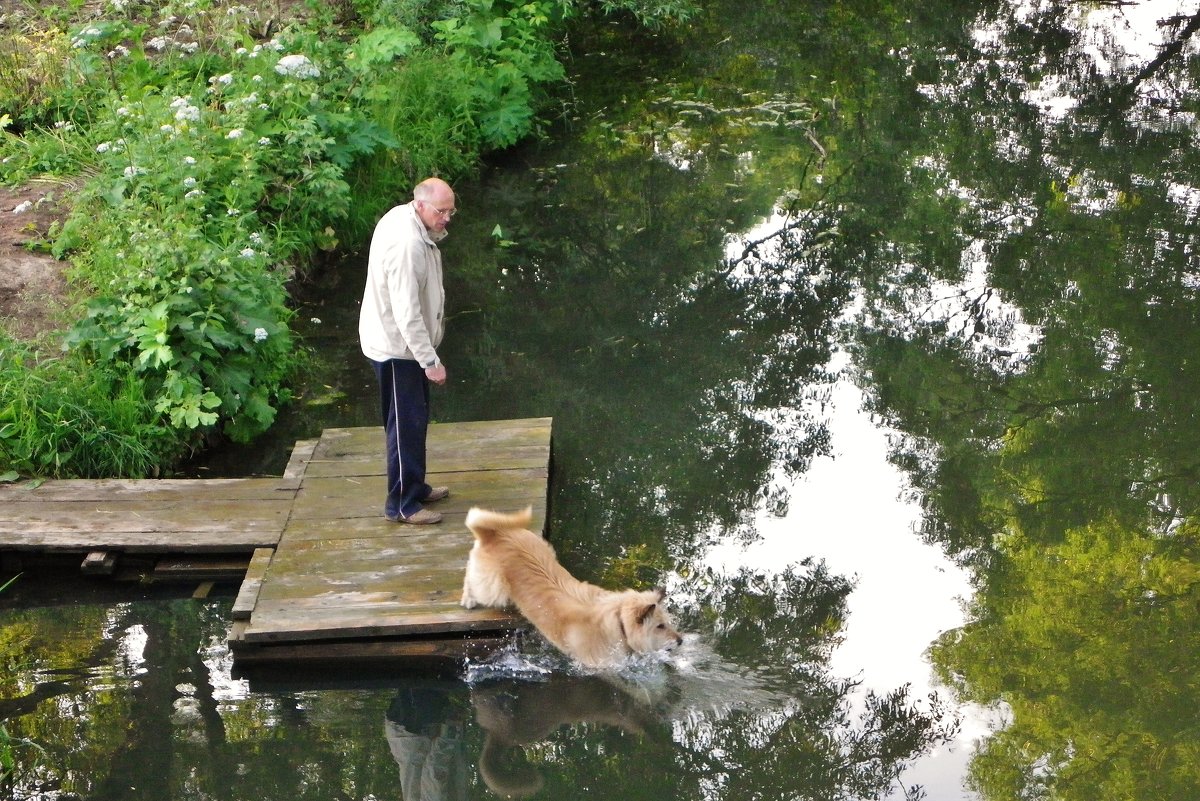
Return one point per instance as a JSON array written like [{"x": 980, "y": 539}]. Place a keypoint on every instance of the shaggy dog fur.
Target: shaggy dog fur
[{"x": 599, "y": 628}]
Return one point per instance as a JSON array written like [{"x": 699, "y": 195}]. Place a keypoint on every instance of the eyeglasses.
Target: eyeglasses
[{"x": 447, "y": 213}]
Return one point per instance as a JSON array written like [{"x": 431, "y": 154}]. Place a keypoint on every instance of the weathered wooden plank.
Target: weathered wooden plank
[
  {"x": 482, "y": 484},
  {"x": 143, "y": 541},
  {"x": 293, "y": 474},
  {"x": 247, "y": 595},
  {"x": 367, "y": 440},
  {"x": 237, "y": 632},
  {"x": 315, "y": 625},
  {"x": 213, "y": 516},
  {"x": 367, "y": 504},
  {"x": 311, "y": 615},
  {"x": 311, "y": 566},
  {"x": 495, "y": 482},
  {"x": 441, "y": 653},
  {"x": 108, "y": 490},
  {"x": 399, "y": 583},
  {"x": 375, "y": 526},
  {"x": 507, "y": 457},
  {"x": 99, "y": 563},
  {"x": 200, "y": 566},
  {"x": 351, "y": 555},
  {"x": 366, "y": 444},
  {"x": 435, "y": 450},
  {"x": 369, "y": 595}
]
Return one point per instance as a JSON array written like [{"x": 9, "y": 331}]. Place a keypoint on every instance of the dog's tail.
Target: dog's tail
[{"x": 484, "y": 523}]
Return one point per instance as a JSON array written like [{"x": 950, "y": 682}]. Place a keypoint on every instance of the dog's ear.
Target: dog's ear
[
  {"x": 646, "y": 612},
  {"x": 661, "y": 592}
]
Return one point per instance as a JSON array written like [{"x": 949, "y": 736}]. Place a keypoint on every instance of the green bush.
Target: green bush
[{"x": 216, "y": 160}]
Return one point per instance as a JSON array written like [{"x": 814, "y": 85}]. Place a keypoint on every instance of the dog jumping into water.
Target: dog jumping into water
[{"x": 510, "y": 565}]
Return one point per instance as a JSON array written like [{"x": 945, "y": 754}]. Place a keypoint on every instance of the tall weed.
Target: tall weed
[
  {"x": 31, "y": 76},
  {"x": 66, "y": 416}
]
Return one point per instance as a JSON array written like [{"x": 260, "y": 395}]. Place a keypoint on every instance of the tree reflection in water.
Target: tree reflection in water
[{"x": 993, "y": 207}]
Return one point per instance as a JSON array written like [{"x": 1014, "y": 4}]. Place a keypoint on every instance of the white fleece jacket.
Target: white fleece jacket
[{"x": 404, "y": 301}]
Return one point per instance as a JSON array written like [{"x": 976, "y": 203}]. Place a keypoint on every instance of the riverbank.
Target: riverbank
[
  {"x": 33, "y": 286},
  {"x": 212, "y": 155}
]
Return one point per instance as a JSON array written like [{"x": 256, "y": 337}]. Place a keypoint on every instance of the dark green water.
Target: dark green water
[{"x": 871, "y": 331}]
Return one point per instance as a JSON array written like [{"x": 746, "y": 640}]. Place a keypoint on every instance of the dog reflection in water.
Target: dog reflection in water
[
  {"x": 427, "y": 722},
  {"x": 599, "y": 628},
  {"x": 517, "y": 714}
]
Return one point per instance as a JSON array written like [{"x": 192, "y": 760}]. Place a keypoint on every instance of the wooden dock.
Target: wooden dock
[{"x": 330, "y": 578}]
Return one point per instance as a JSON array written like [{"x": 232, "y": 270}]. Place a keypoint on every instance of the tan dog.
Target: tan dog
[{"x": 510, "y": 564}]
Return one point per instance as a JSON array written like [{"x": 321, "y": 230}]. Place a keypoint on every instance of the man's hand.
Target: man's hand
[{"x": 436, "y": 374}]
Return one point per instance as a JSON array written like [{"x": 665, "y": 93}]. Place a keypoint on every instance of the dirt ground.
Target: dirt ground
[{"x": 33, "y": 291}]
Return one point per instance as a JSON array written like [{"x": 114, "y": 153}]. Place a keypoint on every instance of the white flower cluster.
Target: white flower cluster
[
  {"x": 260, "y": 334},
  {"x": 85, "y": 37},
  {"x": 160, "y": 43},
  {"x": 297, "y": 66},
  {"x": 184, "y": 110},
  {"x": 249, "y": 100},
  {"x": 274, "y": 44}
]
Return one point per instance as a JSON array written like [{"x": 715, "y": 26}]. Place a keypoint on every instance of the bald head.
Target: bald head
[
  {"x": 430, "y": 189},
  {"x": 434, "y": 200}
]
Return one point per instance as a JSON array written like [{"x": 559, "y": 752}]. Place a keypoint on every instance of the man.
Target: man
[{"x": 400, "y": 326}]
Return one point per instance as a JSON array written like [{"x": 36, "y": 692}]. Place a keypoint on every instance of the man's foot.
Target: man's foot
[
  {"x": 436, "y": 494},
  {"x": 424, "y": 517}
]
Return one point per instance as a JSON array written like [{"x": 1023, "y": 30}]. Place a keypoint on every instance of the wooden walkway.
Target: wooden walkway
[{"x": 330, "y": 577}]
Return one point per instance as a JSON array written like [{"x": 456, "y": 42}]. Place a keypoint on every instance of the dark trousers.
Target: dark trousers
[{"x": 404, "y": 392}]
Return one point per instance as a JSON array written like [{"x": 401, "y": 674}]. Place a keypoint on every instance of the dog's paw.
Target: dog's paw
[{"x": 468, "y": 602}]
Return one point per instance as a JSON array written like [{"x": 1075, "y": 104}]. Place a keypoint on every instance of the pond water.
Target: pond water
[{"x": 871, "y": 331}]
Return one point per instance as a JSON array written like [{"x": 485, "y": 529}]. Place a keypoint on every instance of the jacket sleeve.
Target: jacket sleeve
[{"x": 407, "y": 270}]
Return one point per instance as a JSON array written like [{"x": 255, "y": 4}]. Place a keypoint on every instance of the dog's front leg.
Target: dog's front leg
[{"x": 469, "y": 600}]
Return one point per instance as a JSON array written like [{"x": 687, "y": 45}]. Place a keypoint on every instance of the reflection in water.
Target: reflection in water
[
  {"x": 1016, "y": 289},
  {"x": 424, "y": 731},
  {"x": 515, "y": 716}
]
